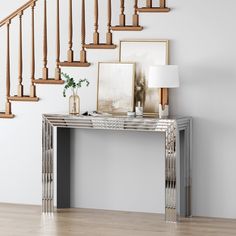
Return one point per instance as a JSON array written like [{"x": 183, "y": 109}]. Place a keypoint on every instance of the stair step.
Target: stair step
[
  {"x": 6, "y": 116},
  {"x": 23, "y": 99},
  {"x": 153, "y": 9},
  {"x": 100, "y": 46},
  {"x": 48, "y": 81},
  {"x": 126, "y": 28},
  {"x": 74, "y": 64}
]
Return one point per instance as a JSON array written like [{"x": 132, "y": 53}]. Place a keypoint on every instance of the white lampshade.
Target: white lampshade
[{"x": 163, "y": 76}]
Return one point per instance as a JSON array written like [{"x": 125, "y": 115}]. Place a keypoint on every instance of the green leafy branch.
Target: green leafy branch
[{"x": 72, "y": 84}]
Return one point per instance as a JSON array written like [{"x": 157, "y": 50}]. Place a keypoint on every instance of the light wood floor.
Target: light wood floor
[{"x": 28, "y": 221}]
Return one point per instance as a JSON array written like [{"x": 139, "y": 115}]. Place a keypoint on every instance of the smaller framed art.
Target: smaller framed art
[{"x": 115, "y": 89}]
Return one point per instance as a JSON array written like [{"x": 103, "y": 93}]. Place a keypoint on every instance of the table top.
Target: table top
[{"x": 114, "y": 122}]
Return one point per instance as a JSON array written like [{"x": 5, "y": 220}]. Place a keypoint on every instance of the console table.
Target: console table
[{"x": 56, "y": 158}]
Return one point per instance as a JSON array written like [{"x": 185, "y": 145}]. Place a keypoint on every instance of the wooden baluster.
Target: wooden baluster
[
  {"x": 122, "y": 15},
  {"x": 7, "y": 113},
  {"x": 83, "y": 60},
  {"x": 32, "y": 87},
  {"x": 20, "y": 93},
  {"x": 135, "y": 15},
  {"x": 45, "y": 43},
  {"x": 150, "y": 8},
  {"x": 122, "y": 22},
  {"x": 56, "y": 79},
  {"x": 58, "y": 69},
  {"x": 83, "y": 32},
  {"x": 96, "y": 34},
  {"x": 109, "y": 34},
  {"x": 162, "y": 3},
  {"x": 96, "y": 44},
  {"x": 70, "y": 51},
  {"x": 8, "y": 72},
  {"x": 149, "y": 3},
  {"x": 20, "y": 86}
]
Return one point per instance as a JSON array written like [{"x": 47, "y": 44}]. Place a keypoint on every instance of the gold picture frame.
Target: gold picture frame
[
  {"x": 115, "y": 87},
  {"x": 145, "y": 53}
]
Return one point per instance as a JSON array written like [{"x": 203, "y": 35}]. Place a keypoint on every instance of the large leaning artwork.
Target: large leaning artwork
[{"x": 145, "y": 53}]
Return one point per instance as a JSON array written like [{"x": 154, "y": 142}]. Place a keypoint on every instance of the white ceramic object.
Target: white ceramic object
[{"x": 163, "y": 113}]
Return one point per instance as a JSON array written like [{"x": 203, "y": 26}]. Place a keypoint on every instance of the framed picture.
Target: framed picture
[
  {"x": 115, "y": 93},
  {"x": 145, "y": 53}
]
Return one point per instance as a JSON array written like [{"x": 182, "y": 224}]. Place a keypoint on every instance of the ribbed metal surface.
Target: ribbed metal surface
[
  {"x": 171, "y": 127},
  {"x": 47, "y": 168}
]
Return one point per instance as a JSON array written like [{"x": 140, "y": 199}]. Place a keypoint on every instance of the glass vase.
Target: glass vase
[{"x": 74, "y": 105}]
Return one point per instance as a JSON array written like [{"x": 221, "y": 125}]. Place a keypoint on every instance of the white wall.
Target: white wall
[
  {"x": 202, "y": 44},
  {"x": 122, "y": 171}
]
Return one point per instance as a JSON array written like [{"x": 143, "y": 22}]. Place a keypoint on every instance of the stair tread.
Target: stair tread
[
  {"x": 6, "y": 116},
  {"x": 74, "y": 64},
  {"x": 153, "y": 9},
  {"x": 126, "y": 28},
  {"x": 48, "y": 81},
  {"x": 24, "y": 98},
  {"x": 100, "y": 46}
]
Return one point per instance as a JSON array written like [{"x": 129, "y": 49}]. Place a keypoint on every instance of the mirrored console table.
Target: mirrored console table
[{"x": 56, "y": 157}]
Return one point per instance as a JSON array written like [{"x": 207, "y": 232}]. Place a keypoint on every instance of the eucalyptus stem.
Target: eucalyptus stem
[{"x": 72, "y": 84}]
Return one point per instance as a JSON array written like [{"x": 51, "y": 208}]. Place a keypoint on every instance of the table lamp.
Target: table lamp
[{"x": 163, "y": 77}]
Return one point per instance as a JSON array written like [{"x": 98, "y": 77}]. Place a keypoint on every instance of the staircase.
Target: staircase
[{"x": 30, "y": 8}]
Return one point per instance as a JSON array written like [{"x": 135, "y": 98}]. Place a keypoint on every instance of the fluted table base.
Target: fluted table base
[{"x": 56, "y": 169}]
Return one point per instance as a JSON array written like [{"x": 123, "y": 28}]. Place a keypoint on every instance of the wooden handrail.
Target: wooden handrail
[{"x": 16, "y": 13}]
